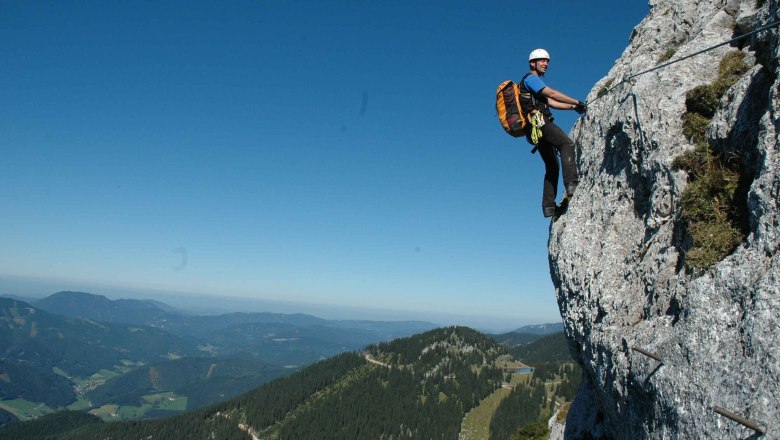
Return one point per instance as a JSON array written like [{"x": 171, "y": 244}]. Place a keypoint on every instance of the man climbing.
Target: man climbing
[{"x": 536, "y": 95}]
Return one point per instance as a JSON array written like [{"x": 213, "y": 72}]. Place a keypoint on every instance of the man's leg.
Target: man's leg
[
  {"x": 551, "y": 172},
  {"x": 555, "y": 136}
]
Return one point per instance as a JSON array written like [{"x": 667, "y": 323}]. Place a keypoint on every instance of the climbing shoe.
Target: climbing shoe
[
  {"x": 561, "y": 209},
  {"x": 548, "y": 211},
  {"x": 570, "y": 188}
]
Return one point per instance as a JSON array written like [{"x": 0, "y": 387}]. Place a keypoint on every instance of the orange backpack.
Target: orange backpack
[{"x": 510, "y": 114}]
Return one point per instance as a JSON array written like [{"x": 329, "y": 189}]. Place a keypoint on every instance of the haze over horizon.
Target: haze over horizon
[
  {"x": 299, "y": 153},
  {"x": 215, "y": 304}
]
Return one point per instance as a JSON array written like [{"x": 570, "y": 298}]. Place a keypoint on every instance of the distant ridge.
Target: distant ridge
[
  {"x": 160, "y": 315},
  {"x": 541, "y": 329},
  {"x": 27, "y": 299},
  {"x": 99, "y": 308}
]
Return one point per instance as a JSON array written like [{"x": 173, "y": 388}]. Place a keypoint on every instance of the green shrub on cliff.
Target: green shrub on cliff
[{"x": 712, "y": 206}]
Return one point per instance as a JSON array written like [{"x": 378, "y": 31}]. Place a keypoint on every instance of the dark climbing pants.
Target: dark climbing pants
[{"x": 555, "y": 142}]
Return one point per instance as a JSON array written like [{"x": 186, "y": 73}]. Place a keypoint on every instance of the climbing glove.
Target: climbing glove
[
  {"x": 537, "y": 120},
  {"x": 581, "y": 107}
]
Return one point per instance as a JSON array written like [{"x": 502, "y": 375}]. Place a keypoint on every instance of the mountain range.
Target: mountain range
[
  {"x": 541, "y": 329},
  {"x": 160, "y": 315}
]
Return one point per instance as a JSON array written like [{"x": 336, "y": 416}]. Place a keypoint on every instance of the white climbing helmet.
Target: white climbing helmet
[{"x": 538, "y": 54}]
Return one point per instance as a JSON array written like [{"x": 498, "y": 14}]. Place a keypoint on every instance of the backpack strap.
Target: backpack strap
[
  {"x": 533, "y": 98},
  {"x": 533, "y": 102}
]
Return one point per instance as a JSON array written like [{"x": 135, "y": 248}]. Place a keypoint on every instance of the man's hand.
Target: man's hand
[{"x": 580, "y": 107}]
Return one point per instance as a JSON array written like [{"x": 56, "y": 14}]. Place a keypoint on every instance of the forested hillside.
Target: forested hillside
[
  {"x": 549, "y": 348},
  {"x": 552, "y": 387},
  {"x": 203, "y": 380}
]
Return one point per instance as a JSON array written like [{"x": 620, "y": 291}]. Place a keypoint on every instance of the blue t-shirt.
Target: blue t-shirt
[
  {"x": 530, "y": 94},
  {"x": 534, "y": 83}
]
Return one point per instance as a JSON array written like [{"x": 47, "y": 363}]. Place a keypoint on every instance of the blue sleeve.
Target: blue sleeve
[{"x": 534, "y": 83}]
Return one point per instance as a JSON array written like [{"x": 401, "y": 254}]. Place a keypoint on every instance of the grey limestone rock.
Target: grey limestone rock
[
  {"x": 616, "y": 256},
  {"x": 556, "y": 428}
]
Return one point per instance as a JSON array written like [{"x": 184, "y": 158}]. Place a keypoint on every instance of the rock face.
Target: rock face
[{"x": 617, "y": 255}]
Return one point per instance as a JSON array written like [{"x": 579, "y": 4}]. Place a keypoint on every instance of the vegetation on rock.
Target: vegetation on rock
[
  {"x": 533, "y": 431},
  {"x": 603, "y": 91},
  {"x": 666, "y": 56},
  {"x": 713, "y": 205}
]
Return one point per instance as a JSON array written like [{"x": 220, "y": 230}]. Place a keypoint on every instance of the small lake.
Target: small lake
[{"x": 525, "y": 370}]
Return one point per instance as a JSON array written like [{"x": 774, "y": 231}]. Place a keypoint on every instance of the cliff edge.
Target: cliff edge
[{"x": 621, "y": 257}]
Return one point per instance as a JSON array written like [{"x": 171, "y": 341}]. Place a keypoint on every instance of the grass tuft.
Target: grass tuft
[
  {"x": 666, "y": 56},
  {"x": 713, "y": 241},
  {"x": 705, "y": 99},
  {"x": 711, "y": 206},
  {"x": 603, "y": 91},
  {"x": 561, "y": 417},
  {"x": 695, "y": 127},
  {"x": 731, "y": 69},
  {"x": 693, "y": 162},
  {"x": 533, "y": 431}
]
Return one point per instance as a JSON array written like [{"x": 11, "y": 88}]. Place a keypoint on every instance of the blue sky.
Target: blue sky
[{"x": 338, "y": 153}]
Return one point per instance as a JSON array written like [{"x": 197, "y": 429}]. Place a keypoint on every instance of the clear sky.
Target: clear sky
[{"x": 343, "y": 153}]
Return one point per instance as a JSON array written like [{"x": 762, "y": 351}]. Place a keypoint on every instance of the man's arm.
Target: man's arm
[{"x": 558, "y": 100}]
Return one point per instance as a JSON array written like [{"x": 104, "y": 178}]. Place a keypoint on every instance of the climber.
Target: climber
[{"x": 535, "y": 94}]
